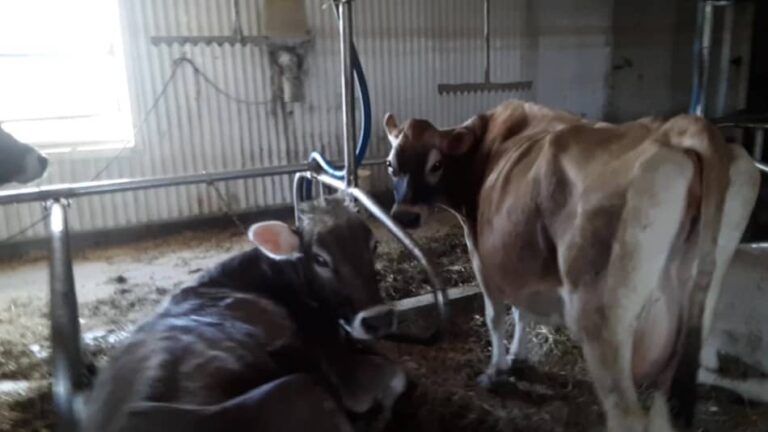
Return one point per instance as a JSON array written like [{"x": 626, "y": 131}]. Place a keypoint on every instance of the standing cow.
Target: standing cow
[
  {"x": 19, "y": 163},
  {"x": 620, "y": 230},
  {"x": 262, "y": 342}
]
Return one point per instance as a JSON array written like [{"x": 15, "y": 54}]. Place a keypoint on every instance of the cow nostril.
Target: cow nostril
[
  {"x": 380, "y": 324},
  {"x": 407, "y": 219}
]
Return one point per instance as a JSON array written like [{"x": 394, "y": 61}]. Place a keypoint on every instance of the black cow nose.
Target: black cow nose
[
  {"x": 380, "y": 324},
  {"x": 407, "y": 219},
  {"x": 43, "y": 162}
]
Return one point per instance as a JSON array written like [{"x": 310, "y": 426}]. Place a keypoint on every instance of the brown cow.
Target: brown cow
[
  {"x": 264, "y": 341},
  {"x": 619, "y": 230}
]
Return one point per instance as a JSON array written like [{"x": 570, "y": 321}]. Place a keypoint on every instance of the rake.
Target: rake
[{"x": 487, "y": 85}]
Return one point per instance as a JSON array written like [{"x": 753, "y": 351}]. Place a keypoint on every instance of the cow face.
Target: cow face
[
  {"x": 19, "y": 163},
  {"x": 337, "y": 249},
  {"x": 423, "y": 163}
]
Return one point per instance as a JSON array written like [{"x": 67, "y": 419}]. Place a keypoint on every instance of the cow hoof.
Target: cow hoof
[
  {"x": 491, "y": 379},
  {"x": 521, "y": 368}
]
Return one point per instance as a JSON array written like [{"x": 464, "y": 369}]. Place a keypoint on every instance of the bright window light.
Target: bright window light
[{"x": 63, "y": 85}]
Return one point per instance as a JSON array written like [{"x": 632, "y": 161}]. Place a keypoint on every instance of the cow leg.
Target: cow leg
[
  {"x": 518, "y": 350},
  {"x": 295, "y": 403},
  {"x": 495, "y": 317},
  {"x": 605, "y": 314},
  {"x": 739, "y": 201}
]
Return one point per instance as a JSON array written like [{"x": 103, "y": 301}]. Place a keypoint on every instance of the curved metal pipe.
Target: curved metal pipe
[{"x": 438, "y": 288}]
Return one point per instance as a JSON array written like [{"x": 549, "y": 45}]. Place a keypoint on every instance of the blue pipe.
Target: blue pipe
[{"x": 364, "y": 100}]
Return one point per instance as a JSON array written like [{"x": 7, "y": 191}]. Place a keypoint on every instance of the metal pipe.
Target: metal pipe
[
  {"x": 701, "y": 56},
  {"x": 759, "y": 137},
  {"x": 347, "y": 92},
  {"x": 487, "y": 36},
  {"x": 73, "y": 190},
  {"x": 725, "y": 60},
  {"x": 743, "y": 124},
  {"x": 68, "y": 369},
  {"x": 438, "y": 289}
]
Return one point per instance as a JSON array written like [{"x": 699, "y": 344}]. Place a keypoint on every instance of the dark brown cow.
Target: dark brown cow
[
  {"x": 261, "y": 342},
  {"x": 622, "y": 231},
  {"x": 19, "y": 162}
]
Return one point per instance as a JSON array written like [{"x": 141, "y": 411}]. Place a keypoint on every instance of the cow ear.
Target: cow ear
[
  {"x": 390, "y": 125},
  {"x": 457, "y": 142},
  {"x": 276, "y": 239}
]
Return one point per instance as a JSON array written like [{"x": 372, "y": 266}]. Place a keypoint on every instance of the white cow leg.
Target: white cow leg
[
  {"x": 495, "y": 319},
  {"x": 518, "y": 350}
]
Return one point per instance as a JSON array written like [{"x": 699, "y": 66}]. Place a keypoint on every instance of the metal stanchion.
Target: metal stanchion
[{"x": 68, "y": 369}]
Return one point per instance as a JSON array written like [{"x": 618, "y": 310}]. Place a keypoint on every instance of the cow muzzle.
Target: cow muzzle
[
  {"x": 372, "y": 323},
  {"x": 409, "y": 216}
]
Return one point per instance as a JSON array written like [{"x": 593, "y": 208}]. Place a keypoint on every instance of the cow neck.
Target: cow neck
[{"x": 463, "y": 193}]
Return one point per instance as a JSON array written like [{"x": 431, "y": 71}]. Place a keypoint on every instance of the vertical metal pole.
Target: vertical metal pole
[
  {"x": 68, "y": 370},
  {"x": 725, "y": 59},
  {"x": 487, "y": 36},
  {"x": 702, "y": 56},
  {"x": 347, "y": 92},
  {"x": 758, "y": 149}
]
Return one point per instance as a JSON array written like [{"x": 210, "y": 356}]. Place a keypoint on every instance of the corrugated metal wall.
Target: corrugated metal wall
[{"x": 407, "y": 47}]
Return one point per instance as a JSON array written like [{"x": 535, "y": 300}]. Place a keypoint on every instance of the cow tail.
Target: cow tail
[{"x": 695, "y": 136}]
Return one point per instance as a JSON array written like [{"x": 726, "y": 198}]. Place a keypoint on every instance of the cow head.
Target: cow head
[
  {"x": 336, "y": 249},
  {"x": 19, "y": 163},
  {"x": 425, "y": 163}
]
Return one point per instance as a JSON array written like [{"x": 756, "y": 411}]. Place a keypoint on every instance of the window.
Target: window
[{"x": 63, "y": 86}]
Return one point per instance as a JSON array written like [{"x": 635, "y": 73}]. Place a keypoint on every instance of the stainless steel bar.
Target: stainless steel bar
[
  {"x": 701, "y": 56},
  {"x": 438, "y": 289},
  {"x": 725, "y": 60},
  {"x": 68, "y": 369},
  {"x": 762, "y": 167},
  {"x": 73, "y": 190},
  {"x": 347, "y": 92},
  {"x": 743, "y": 125},
  {"x": 706, "y": 46},
  {"x": 296, "y": 191},
  {"x": 759, "y": 137},
  {"x": 487, "y": 36}
]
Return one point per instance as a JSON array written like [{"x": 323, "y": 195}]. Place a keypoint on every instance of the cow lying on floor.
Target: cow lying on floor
[
  {"x": 259, "y": 342},
  {"x": 620, "y": 230},
  {"x": 19, "y": 163}
]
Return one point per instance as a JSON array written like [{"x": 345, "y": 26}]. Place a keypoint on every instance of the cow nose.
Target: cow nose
[
  {"x": 43, "y": 161},
  {"x": 379, "y": 324},
  {"x": 407, "y": 219}
]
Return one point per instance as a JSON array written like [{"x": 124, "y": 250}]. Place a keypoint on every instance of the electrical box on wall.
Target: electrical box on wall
[
  {"x": 285, "y": 23},
  {"x": 285, "y": 19}
]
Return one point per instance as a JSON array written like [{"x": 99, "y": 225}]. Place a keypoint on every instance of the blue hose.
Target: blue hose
[{"x": 364, "y": 100}]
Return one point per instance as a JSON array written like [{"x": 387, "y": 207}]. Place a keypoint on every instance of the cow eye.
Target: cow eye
[
  {"x": 320, "y": 261},
  {"x": 375, "y": 246},
  {"x": 436, "y": 167}
]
